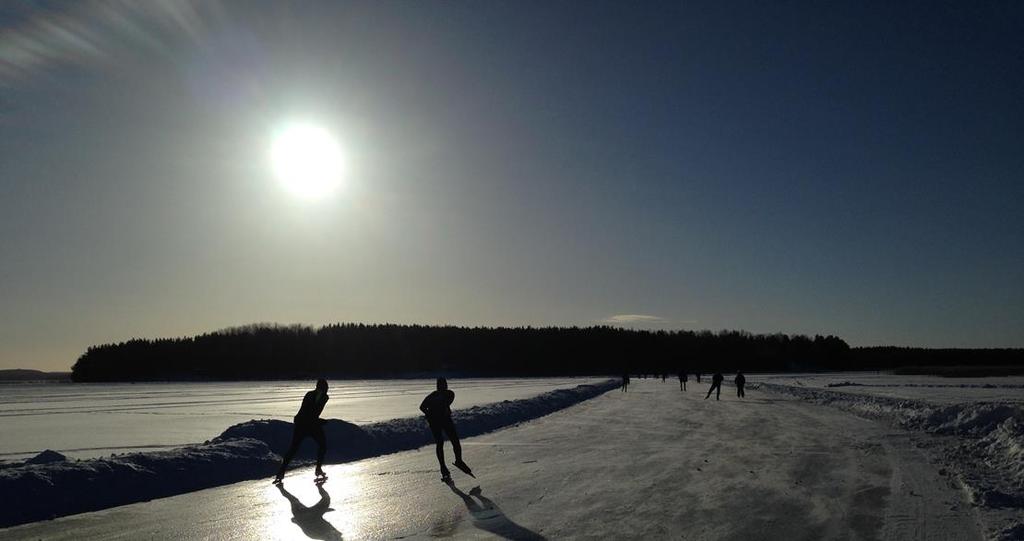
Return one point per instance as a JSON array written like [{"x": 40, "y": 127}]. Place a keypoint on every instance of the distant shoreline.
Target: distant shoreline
[
  {"x": 23, "y": 375},
  {"x": 954, "y": 371}
]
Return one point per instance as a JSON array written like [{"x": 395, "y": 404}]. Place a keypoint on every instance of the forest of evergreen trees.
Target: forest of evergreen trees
[{"x": 358, "y": 350}]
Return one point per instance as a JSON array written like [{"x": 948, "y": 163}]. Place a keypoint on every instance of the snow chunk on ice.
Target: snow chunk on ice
[{"x": 47, "y": 457}]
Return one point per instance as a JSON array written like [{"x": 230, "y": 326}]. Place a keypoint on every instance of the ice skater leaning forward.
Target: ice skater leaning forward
[
  {"x": 716, "y": 385},
  {"x": 308, "y": 423},
  {"x": 437, "y": 408}
]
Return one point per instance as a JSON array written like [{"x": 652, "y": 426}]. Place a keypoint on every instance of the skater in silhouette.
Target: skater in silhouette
[
  {"x": 664, "y": 377},
  {"x": 740, "y": 381},
  {"x": 437, "y": 408},
  {"x": 625, "y": 382},
  {"x": 682, "y": 380},
  {"x": 716, "y": 385},
  {"x": 308, "y": 423},
  {"x": 698, "y": 377}
]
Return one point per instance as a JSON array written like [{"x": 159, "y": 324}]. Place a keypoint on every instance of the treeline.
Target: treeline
[
  {"x": 358, "y": 350},
  {"x": 21, "y": 374},
  {"x": 948, "y": 362}
]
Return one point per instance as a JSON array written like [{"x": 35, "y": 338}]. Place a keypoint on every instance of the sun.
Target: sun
[{"x": 307, "y": 160}]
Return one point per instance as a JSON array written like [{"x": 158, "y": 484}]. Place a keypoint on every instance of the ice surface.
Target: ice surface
[
  {"x": 927, "y": 388},
  {"x": 244, "y": 451},
  {"x": 775, "y": 462},
  {"x": 984, "y": 441},
  {"x": 91, "y": 420},
  {"x": 653, "y": 463}
]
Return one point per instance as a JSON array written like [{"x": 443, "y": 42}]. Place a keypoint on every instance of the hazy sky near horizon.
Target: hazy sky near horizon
[{"x": 838, "y": 168}]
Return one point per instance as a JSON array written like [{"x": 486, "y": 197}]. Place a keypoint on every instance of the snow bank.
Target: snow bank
[
  {"x": 988, "y": 445},
  {"x": 250, "y": 450},
  {"x": 930, "y": 385},
  {"x": 1012, "y": 533},
  {"x": 346, "y": 441},
  {"x": 42, "y": 491}
]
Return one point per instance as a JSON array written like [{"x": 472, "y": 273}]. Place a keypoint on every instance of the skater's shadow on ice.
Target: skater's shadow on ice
[
  {"x": 488, "y": 516},
  {"x": 311, "y": 519}
]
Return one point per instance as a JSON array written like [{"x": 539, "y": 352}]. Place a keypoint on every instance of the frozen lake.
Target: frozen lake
[
  {"x": 933, "y": 389},
  {"x": 90, "y": 420},
  {"x": 671, "y": 465}
]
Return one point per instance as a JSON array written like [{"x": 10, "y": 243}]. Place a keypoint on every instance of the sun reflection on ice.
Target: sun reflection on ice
[{"x": 300, "y": 508}]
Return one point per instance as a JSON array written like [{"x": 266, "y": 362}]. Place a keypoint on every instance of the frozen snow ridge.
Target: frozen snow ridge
[
  {"x": 58, "y": 487},
  {"x": 346, "y": 441},
  {"x": 988, "y": 445}
]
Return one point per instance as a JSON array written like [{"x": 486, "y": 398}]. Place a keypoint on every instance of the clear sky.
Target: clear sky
[{"x": 823, "y": 167}]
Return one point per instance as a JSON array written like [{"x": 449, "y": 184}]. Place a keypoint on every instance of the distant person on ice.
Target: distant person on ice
[
  {"x": 625, "y": 382},
  {"x": 437, "y": 407},
  {"x": 682, "y": 380},
  {"x": 308, "y": 423},
  {"x": 716, "y": 385},
  {"x": 740, "y": 381}
]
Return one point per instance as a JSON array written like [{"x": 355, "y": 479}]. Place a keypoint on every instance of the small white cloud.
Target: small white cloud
[
  {"x": 646, "y": 321},
  {"x": 632, "y": 319}
]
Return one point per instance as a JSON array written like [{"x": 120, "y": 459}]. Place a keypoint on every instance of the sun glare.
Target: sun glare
[{"x": 307, "y": 160}]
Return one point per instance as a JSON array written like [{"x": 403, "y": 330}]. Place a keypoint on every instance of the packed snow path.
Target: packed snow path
[{"x": 650, "y": 463}]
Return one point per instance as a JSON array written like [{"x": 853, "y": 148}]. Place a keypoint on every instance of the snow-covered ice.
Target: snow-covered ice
[
  {"x": 653, "y": 463},
  {"x": 978, "y": 424},
  {"x": 939, "y": 390}
]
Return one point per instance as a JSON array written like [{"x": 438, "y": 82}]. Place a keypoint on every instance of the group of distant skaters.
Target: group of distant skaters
[
  {"x": 436, "y": 407},
  {"x": 716, "y": 383}
]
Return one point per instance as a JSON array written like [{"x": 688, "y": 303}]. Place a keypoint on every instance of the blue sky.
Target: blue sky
[{"x": 839, "y": 168}]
